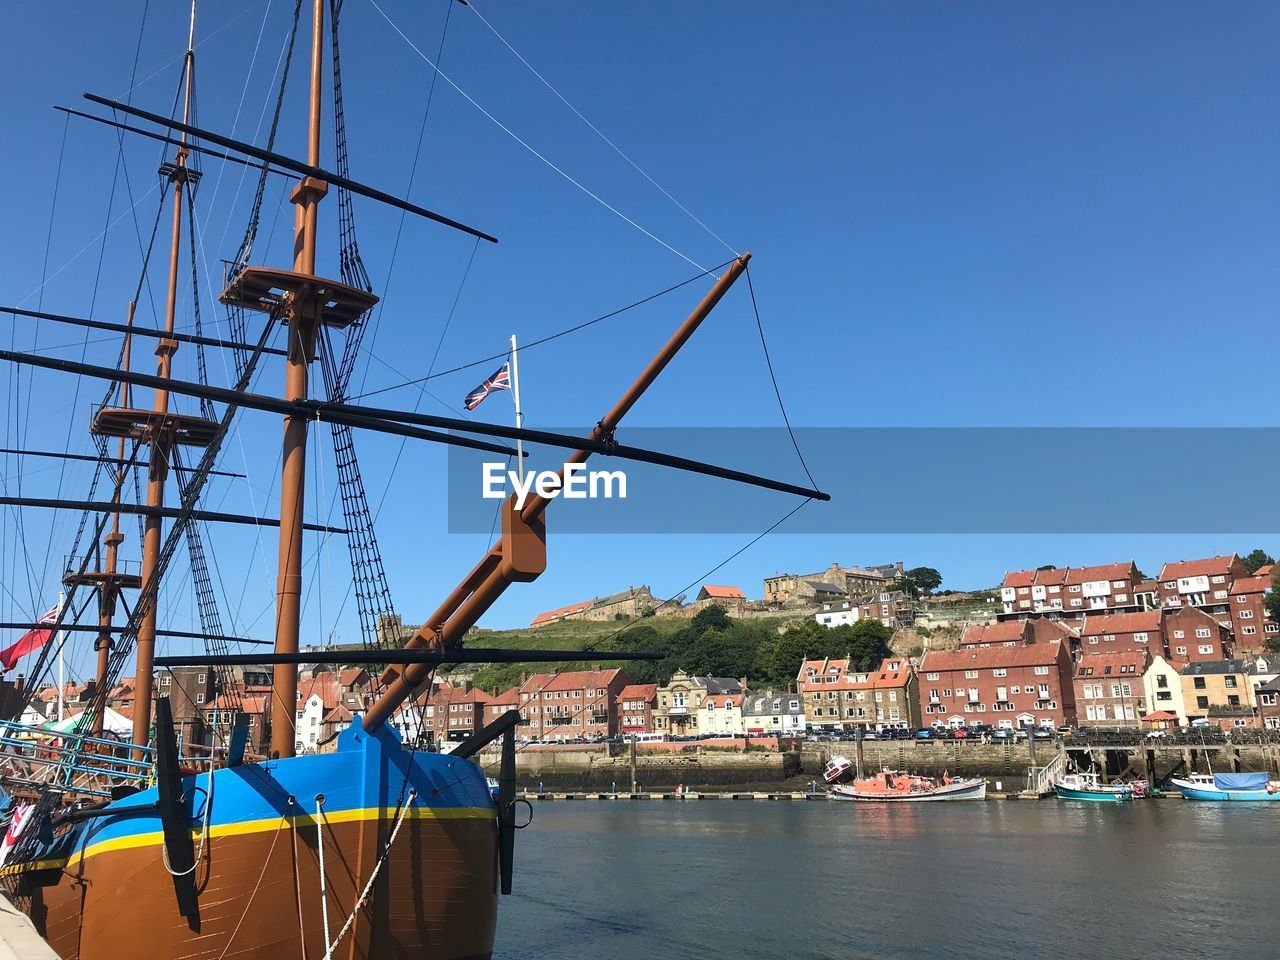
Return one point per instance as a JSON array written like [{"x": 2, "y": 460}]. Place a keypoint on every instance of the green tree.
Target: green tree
[
  {"x": 797, "y": 643},
  {"x": 711, "y": 617},
  {"x": 1257, "y": 558},
  {"x": 918, "y": 581}
]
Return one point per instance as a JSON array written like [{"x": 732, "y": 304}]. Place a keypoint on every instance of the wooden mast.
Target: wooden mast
[
  {"x": 161, "y": 429},
  {"x": 304, "y": 320},
  {"x": 521, "y": 554},
  {"x": 109, "y": 590}
]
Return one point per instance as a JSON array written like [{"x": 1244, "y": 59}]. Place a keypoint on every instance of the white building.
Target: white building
[
  {"x": 1162, "y": 689},
  {"x": 721, "y": 713},
  {"x": 773, "y": 714}
]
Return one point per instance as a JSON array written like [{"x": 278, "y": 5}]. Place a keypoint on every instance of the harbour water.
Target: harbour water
[{"x": 817, "y": 880}]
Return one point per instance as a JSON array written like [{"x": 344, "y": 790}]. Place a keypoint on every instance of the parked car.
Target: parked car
[
  {"x": 901, "y": 733},
  {"x": 870, "y": 735},
  {"x": 925, "y": 733},
  {"x": 960, "y": 733},
  {"x": 1042, "y": 733},
  {"x": 1002, "y": 735}
]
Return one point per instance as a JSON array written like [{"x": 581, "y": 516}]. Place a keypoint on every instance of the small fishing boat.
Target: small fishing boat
[
  {"x": 894, "y": 786},
  {"x": 1089, "y": 786},
  {"x": 1228, "y": 786},
  {"x": 838, "y": 770}
]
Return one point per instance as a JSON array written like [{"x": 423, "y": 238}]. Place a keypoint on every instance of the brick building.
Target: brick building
[
  {"x": 1249, "y": 620},
  {"x": 1109, "y": 689},
  {"x": 573, "y": 704},
  {"x": 1006, "y": 686},
  {"x": 1192, "y": 635},
  {"x": 455, "y": 712},
  {"x": 1268, "y": 700},
  {"x": 635, "y": 704},
  {"x": 1124, "y": 633},
  {"x": 1201, "y": 583},
  {"x": 1070, "y": 592},
  {"x": 838, "y": 698},
  {"x": 1018, "y": 633}
]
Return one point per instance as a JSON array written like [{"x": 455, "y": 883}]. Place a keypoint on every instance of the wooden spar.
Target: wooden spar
[
  {"x": 161, "y": 438},
  {"x": 139, "y": 331},
  {"x": 303, "y": 326},
  {"x": 176, "y": 634},
  {"x": 308, "y": 170},
  {"x": 534, "y": 507},
  {"x": 248, "y": 401},
  {"x": 158, "y": 513},
  {"x": 388, "y": 421},
  {"x": 110, "y": 461},
  {"x": 161, "y": 138},
  {"x": 520, "y": 555}
]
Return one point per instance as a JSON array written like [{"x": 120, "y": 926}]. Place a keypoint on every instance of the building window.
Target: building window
[
  {"x": 1182, "y": 651},
  {"x": 999, "y": 672},
  {"x": 1042, "y": 671}
]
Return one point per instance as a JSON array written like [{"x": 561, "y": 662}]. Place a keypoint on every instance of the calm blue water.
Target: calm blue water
[{"x": 1017, "y": 880}]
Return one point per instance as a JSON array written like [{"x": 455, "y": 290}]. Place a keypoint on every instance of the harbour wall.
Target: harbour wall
[{"x": 595, "y": 769}]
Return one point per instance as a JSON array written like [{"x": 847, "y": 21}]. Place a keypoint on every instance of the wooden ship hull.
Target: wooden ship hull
[{"x": 258, "y": 872}]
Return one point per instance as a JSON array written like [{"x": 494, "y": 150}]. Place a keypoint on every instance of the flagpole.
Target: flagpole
[
  {"x": 515, "y": 395},
  {"x": 62, "y": 680}
]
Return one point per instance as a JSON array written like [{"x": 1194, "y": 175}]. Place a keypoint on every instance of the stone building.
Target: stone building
[
  {"x": 625, "y": 604},
  {"x": 680, "y": 699},
  {"x": 857, "y": 581},
  {"x": 635, "y": 705}
]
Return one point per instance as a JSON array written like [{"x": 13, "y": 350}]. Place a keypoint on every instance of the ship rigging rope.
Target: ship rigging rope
[
  {"x": 324, "y": 893},
  {"x": 777, "y": 392},
  {"x": 524, "y": 143},
  {"x": 598, "y": 132},
  {"x": 539, "y": 342}
]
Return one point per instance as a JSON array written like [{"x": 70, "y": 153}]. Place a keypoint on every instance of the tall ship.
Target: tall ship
[{"x": 161, "y": 841}]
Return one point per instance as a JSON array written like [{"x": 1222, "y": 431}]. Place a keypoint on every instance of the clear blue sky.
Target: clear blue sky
[{"x": 962, "y": 214}]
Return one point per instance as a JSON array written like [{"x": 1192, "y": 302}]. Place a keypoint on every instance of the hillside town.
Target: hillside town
[{"x": 1099, "y": 646}]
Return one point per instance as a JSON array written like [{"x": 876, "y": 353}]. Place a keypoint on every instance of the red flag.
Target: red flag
[{"x": 31, "y": 640}]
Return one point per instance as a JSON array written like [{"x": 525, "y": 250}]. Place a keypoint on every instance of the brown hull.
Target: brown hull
[{"x": 436, "y": 896}]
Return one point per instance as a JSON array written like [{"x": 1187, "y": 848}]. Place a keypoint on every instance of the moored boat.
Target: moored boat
[
  {"x": 1089, "y": 786},
  {"x": 839, "y": 769},
  {"x": 1228, "y": 786},
  {"x": 894, "y": 786}
]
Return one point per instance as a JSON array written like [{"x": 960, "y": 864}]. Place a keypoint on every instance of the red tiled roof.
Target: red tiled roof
[
  {"x": 1019, "y": 578},
  {"x": 1099, "y": 661},
  {"x": 1254, "y": 584},
  {"x": 1208, "y": 567},
  {"x": 349, "y": 676},
  {"x": 338, "y": 714},
  {"x": 1106, "y": 571},
  {"x": 638, "y": 691},
  {"x": 980, "y": 658},
  {"x": 1160, "y": 715},
  {"x": 1147, "y": 621},
  {"x": 1048, "y": 578},
  {"x": 843, "y": 672},
  {"x": 560, "y": 612},
  {"x": 1006, "y": 631},
  {"x": 507, "y": 698},
  {"x": 726, "y": 593},
  {"x": 323, "y": 685},
  {"x": 581, "y": 679},
  {"x": 1265, "y": 571},
  {"x": 447, "y": 694},
  {"x": 892, "y": 672}
]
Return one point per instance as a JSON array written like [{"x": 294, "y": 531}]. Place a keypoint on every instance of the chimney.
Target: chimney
[{"x": 466, "y": 686}]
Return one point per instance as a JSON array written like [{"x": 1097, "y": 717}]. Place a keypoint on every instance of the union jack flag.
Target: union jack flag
[{"x": 500, "y": 380}]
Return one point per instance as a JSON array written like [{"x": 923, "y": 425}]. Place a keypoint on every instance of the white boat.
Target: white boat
[
  {"x": 1228, "y": 786},
  {"x": 838, "y": 770}
]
